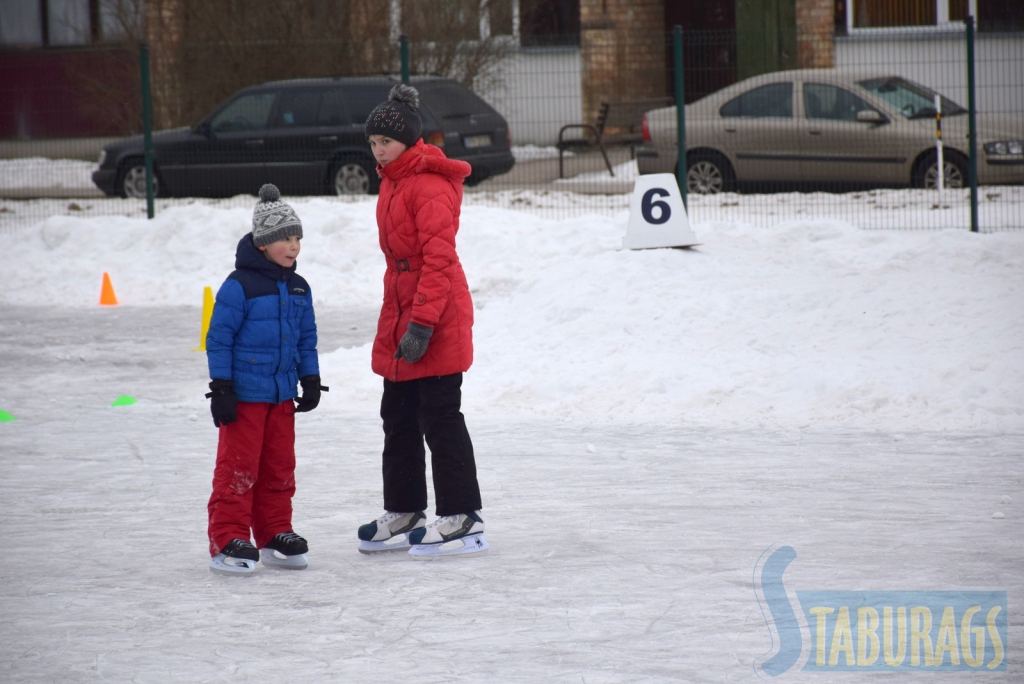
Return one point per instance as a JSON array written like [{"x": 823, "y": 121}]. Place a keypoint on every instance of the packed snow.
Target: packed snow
[
  {"x": 915, "y": 329},
  {"x": 49, "y": 174},
  {"x": 646, "y": 423}
]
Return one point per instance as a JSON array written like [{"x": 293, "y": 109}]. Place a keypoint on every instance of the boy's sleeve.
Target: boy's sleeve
[
  {"x": 309, "y": 363},
  {"x": 228, "y": 314},
  {"x": 435, "y": 223}
]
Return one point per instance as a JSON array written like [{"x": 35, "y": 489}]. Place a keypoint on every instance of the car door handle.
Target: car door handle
[
  {"x": 328, "y": 138},
  {"x": 814, "y": 132},
  {"x": 730, "y": 130},
  {"x": 256, "y": 141}
]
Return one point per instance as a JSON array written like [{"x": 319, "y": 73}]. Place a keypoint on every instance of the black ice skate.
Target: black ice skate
[
  {"x": 237, "y": 559},
  {"x": 287, "y": 551},
  {"x": 390, "y": 532},
  {"x": 449, "y": 535}
]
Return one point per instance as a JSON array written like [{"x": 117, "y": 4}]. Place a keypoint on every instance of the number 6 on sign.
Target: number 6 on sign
[{"x": 656, "y": 215}]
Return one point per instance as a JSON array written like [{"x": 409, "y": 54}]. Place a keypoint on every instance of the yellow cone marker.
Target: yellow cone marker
[
  {"x": 207, "y": 314},
  {"x": 6, "y": 417}
]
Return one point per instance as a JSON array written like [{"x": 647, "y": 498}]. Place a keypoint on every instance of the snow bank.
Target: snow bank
[{"x": 803, "y": 324}]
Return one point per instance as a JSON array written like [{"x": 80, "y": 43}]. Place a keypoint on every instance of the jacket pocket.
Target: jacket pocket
[{"x": 257, "y": 363}]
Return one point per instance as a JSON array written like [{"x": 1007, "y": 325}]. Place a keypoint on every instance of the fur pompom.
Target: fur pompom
[
  {"x": 270, "y": 193},
  {"x": 405, "y": 94}
]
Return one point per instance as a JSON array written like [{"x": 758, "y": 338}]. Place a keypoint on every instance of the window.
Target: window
[
  {"x": 991, "y": 15},
  {"x": 829, "y": 102},
  {"x": 296, "y": 108},
  {"x": 912, "y": 100},
  {"x": 549, "y": 22},
  {"x": 332, "y": 109},
  {"x": 360, "y": 101},
  {"x": 452, "y": 101},
  {"x": 774, "y": 100},
  {"x": 247, "y": 113}
]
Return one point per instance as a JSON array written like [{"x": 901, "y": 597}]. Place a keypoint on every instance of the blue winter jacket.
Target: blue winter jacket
[{"x": 263, "y": 330}]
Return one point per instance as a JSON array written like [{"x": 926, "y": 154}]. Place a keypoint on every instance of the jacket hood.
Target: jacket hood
[
  {"x": 423, "y": 158},
  {"x": 247, "y": 255}
]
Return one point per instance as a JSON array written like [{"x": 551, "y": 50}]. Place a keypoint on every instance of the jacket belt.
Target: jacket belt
[{"x": 410, "y": 263}]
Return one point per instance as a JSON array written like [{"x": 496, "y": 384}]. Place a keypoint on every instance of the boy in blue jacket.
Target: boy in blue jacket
[{"x": 262, "y": 341}]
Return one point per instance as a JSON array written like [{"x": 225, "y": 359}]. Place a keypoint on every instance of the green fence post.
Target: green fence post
[
  {"x": 677, "y": 49},
  {"x": 404, "y": 42},
  {"x": 972, "y": 137},
  {"x": 147, "y": 126}
]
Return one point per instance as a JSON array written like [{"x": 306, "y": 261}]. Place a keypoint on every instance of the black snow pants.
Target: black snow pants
[{"x": 427, "y": 408}]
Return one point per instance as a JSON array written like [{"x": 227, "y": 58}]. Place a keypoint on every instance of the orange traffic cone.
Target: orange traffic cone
[{"x": 107, "y": 296}]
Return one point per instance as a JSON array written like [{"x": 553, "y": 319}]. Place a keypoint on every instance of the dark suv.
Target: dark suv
[{"x": 307, "y": 137}]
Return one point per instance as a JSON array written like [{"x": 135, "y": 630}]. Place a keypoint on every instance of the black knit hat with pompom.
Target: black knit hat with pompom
[
  {"x": 399, "y": 117},
  {"x": 273, "y": 219}
]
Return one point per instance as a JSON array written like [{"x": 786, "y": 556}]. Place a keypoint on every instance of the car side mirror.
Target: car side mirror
[
  {"x": 871, "y": 116},
  {"x": 203, "y": 129}
]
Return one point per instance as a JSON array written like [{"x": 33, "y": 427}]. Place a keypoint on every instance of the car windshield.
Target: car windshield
[{"x": 912, "y": 100}]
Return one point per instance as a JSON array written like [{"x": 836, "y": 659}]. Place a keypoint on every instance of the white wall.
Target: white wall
[
  {"x": 939, "y": 60},
  {"x": 541, "y": 91}
]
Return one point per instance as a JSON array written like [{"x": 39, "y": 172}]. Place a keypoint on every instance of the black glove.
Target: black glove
[
  {"x": 311, "y": 389},
  {"x": 413, "y": 344},
  {"x": 224, "y": 403}
]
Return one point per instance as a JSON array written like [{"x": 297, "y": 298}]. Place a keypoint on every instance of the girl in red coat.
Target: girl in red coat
[{"x": 424, "y": 341}]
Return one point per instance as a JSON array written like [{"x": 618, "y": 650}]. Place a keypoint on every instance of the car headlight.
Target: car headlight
[
  {"x": 1010, "y": 147},
  {"x": 103, "y": 158}
]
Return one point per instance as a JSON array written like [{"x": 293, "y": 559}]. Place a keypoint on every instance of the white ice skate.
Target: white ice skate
[
  {"x": 450, "y": 535},
  {"x": 237, "y": 559},
  {"x": 390, "y": 532},
  {"x": 286, "y": 551}
]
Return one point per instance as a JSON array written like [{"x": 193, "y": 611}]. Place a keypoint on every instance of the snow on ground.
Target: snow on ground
[
  {"x": 44, "y": 173},
  {"x": 646, "y": 424},
  {"x": 917, "y": 330},
  {"x": 525, "y": 153}
]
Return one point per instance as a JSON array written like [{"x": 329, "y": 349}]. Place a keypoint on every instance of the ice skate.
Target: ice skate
[
  {"x": 390, "y": 532},
  {"x": 287, "y": 551},
  {"x": 237, "y": 559},
  {"x": 449, "y": 535}
]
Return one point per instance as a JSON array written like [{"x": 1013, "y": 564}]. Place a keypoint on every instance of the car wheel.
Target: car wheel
[
  {"x": 926, "y": 172},
  {"x": 354, "y": 177},
  {"x": 133, "y": 180},
  {"x": 708, "y": 174}
]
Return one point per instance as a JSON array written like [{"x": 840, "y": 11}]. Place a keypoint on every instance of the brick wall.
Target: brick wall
[
  {"x": 815, "y": 23},
  {"x": 622, "y": 46}
]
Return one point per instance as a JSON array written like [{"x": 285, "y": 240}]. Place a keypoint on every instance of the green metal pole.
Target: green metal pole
[
  {"x": 147, "y": 126},
  {"x": 404, "y": 41},
  {"x": 972, "y": 138},
  {"x": 677, "y": 49}
]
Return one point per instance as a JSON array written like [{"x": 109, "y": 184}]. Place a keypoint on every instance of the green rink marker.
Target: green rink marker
[
  {"x": 6, "y": 417},
  {"x": 124, "y": 400}
]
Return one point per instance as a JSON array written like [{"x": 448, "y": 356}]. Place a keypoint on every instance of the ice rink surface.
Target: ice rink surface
[
  {"x": 646, "y": 425},
  {"x": 619, "y": 552}
]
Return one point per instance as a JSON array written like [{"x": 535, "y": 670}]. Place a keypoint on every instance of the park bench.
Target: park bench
[{"x": 617, "y": 123}]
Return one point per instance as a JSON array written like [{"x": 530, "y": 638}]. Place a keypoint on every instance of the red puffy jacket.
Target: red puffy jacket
[{"x": 417, "y": 219}]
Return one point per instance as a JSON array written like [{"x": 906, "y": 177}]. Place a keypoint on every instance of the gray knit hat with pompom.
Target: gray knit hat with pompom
[
  {"x": 399, "y": 117},
  {"x": 273, "y": 219}
]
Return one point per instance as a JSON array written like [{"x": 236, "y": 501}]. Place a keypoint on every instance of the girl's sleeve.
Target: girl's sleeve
[
  {"x": 228, "y": 314},
  {"x": 309, "y": 363},
  {"x": 435, "y": 222}
]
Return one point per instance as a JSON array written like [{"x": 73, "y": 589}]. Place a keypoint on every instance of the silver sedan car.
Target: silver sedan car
[{"x": 829, "y": 126}]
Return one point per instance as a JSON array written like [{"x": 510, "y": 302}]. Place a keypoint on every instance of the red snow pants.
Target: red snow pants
[{"x": 254, "y": 479}]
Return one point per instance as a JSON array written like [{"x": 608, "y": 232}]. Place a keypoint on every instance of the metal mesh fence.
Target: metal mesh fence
[{"x": 839, "y": 127}]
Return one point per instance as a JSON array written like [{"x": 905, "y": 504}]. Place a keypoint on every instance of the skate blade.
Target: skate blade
[
  {"x": 470, "y": 544},
  {"x": 400, "y": 542},
  {"x": 231, "y": 567},
  {"x": 276, "y": 559}
]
